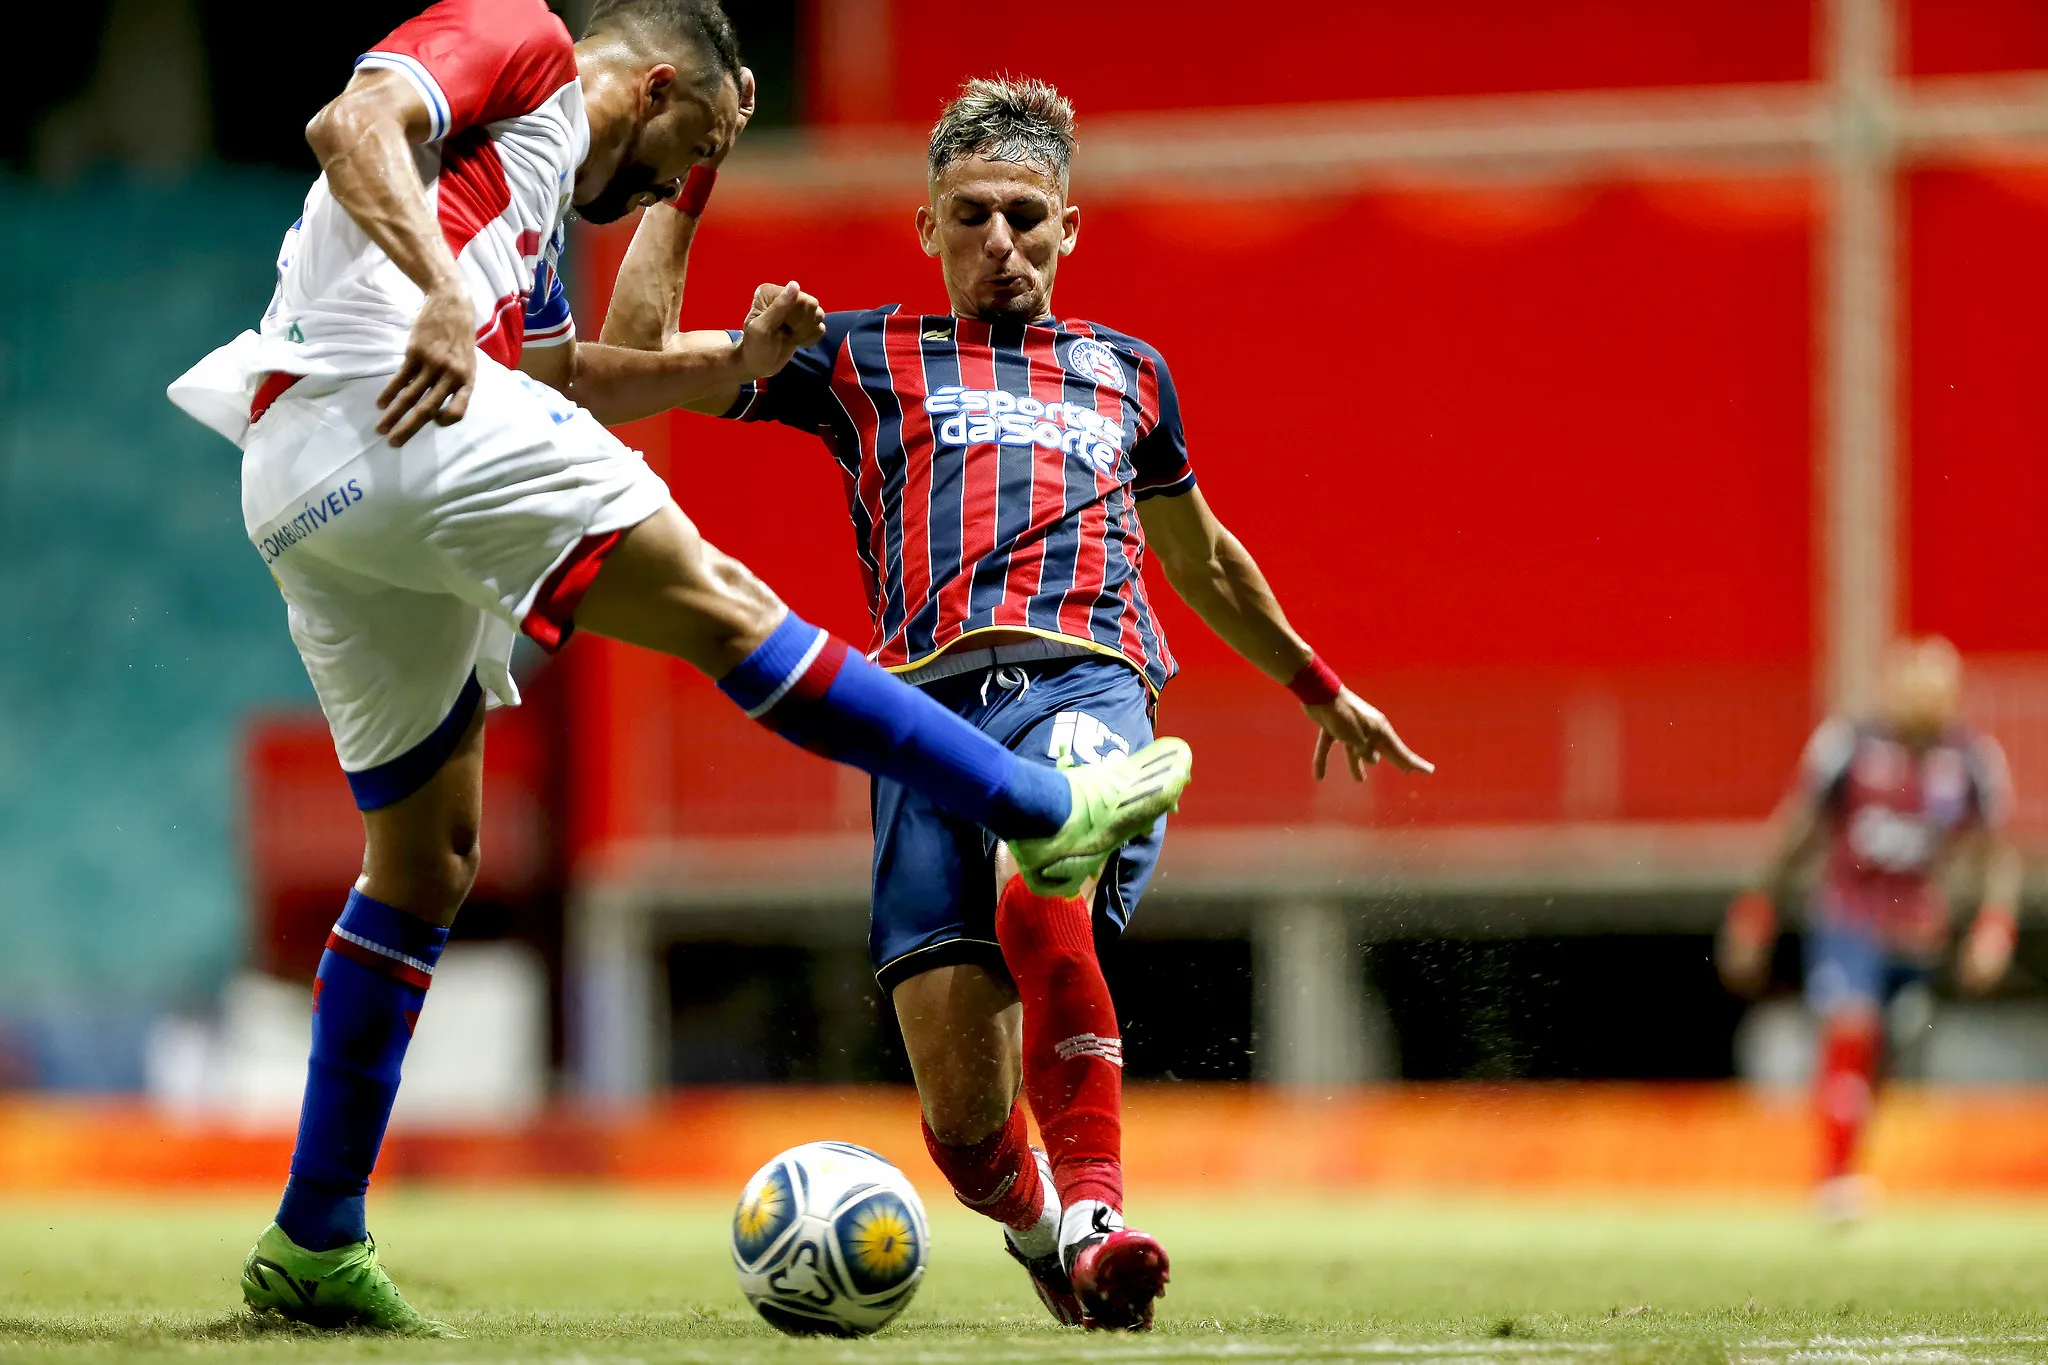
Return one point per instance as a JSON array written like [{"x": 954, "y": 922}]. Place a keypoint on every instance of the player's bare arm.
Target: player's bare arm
[
  {"x": 647, "y": 293},
  {"x": 1214, "y": 574},
  {"x": 364, "y": 138},
  {"x": 647, "y": 299},
  {"x": 1987, "y": 949},
  {"x": 1749, "y": 932},
  {"x": 702, "y": 371}
]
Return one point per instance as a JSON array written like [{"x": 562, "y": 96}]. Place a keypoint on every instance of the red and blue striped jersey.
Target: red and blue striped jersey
[{"x": 993, "y": 473}]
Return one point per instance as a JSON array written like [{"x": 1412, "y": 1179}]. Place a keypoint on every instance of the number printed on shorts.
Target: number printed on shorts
[{"x": 1079, "y": 738}]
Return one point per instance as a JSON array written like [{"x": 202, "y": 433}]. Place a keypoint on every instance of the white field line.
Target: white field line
[
  {"x": 1825, "y": 1350},
  {"x": 1904, "y": 1350}
]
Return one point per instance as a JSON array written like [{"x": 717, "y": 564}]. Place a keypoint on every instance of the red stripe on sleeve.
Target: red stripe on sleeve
[
  {"x": 493, "y": 59},
  {"x": 1148, "y": 396}
]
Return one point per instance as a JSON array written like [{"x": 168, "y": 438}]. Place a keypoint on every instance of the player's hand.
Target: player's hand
[
  {"x": 1367, "y": 737},
  {"x": 783, "y": 320},
  {"x": 1986, "y": 953},
  {"x": 434, "y": 383},
  {"x": 1742, "y": 954}
]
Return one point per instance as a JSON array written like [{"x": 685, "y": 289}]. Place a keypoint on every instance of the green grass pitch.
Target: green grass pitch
[{"x": 574, "y": 1278}]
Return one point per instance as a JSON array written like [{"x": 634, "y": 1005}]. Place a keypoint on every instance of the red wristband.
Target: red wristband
[
  {"x": 1317, "y": 684},
  {"x": 1997, "y": 919},
  {"x": 696, "y": 191},
  {"x": 1752, "y": 918}
]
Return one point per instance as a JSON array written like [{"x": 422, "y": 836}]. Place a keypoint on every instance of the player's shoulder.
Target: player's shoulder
[
  {"x": 528, "y": 25},
  {"x": 846, "y": 319},
  {"x": 843, "y": 324},
  {"x": 1117, "y": 339},
  {"x": 1984, "y": 755},
  {"x": 1831, "y": 749}
]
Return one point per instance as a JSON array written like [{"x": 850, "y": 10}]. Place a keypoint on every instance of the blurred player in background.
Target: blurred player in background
[
  {"x": 1006, "y": 471},
  {"x": 1894, "y": 801},
  {"x": 420, "y": 501}
]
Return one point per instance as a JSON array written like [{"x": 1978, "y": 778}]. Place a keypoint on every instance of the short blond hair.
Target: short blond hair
[{"x": 1006, "y": 119}]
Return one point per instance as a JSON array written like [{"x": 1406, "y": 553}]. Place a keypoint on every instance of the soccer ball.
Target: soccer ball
[{"x": 829, "y": 1240}]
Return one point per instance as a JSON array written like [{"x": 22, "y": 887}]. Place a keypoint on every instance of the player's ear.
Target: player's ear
[
  {"x": 1070, "y": 229},
  {"x": 928, "y": 229},
  {"x": 658, "y": 86}
]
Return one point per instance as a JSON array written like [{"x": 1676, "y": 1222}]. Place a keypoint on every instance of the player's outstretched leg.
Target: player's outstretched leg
[
  {"x": 317, "y": 1264},
  {"x": 665, "y": 589},
  {"x": 1845, "y": 1086},
  {"x": 960, "y": 1026},
  {"x": 1073, "y": 1074}
]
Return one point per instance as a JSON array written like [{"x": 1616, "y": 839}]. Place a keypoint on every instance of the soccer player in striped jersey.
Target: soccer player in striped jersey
[
  {"x": 420, "y": 501},
  {"x": 1006, "y": 471},
  {"x": 1888, "y": 803}
]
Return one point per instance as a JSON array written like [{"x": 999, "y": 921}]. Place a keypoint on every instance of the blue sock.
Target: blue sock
[
  {"x": 372, "y": 982},
  {"x": 814, "y": 691}
]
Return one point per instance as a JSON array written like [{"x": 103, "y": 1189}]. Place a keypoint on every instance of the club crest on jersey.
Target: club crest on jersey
[{"x": 1092, "y": 360}]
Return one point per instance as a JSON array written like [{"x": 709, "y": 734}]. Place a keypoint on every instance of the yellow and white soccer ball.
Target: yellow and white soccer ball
[{"x": 829, "y": 1239}]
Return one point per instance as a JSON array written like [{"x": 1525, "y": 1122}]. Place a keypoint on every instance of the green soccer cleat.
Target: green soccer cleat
[
  {"x": 1115, "y": 801},
  {"x": 344, "y": 1287}
]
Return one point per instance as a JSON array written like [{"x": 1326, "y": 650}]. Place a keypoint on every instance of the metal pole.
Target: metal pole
[{"x": 1859, "y": 490}]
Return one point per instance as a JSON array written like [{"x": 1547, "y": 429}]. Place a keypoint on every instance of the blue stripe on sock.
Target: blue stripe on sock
[{"x": 389, "y": 783}]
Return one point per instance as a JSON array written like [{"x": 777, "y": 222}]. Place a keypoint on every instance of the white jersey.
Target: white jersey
[{"x": 498, "y": 78}]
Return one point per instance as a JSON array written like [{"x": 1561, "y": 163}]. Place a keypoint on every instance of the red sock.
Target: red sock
[
  {"x": 997, "y": 1175},
  {"x": 1073, "y": 1053},
  {"x": 1848, "y": 1075}
]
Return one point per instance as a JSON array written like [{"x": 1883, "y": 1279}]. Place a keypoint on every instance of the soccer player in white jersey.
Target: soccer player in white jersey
[{"x": 419, "y": 502}]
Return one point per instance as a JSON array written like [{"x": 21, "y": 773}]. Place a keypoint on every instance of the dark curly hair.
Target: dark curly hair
[{"x": 702, "y": 22}]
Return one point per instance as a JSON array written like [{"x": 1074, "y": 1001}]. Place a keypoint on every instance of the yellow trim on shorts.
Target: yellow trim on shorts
[{"x": 1092, "y": 646}]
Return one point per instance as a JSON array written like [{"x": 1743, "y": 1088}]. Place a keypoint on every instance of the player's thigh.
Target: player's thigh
[
  {"x": 665, "y": 588},
  {"x": 963, "y": 1030},
  {"x": 931, "y": 903},
  {"x": 1082, "y": 713},
  {"x": 1845, "y": 970},
  {"x": 395, "y": 674},
  {"x": 491, "y": 509}
]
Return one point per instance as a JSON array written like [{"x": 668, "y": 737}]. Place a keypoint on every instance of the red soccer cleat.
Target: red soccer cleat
[{"x": 1117, "y": 1278}]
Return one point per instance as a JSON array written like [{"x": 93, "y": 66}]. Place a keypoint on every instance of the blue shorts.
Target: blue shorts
[
  {"x": 934, "y": 876},
  {"x": 1850, "y": 965}
]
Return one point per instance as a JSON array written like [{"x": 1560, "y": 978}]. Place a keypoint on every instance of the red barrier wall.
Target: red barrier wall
[
  {"x": 1955, "y": 37},
  {"x": 1527, "y": 461},
  {"x": 1167, "y": 54},
  {"x": 1978, "y": 419}
]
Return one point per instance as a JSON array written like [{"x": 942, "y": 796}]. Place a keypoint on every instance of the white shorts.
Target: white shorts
[{"x": 409, "y": 572}]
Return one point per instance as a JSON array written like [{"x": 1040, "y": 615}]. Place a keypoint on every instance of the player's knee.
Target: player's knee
[
  {"x": 742, "y": 609},
  {"x": 962, "y": 1116},
  {"x": 432, "y": 879}
]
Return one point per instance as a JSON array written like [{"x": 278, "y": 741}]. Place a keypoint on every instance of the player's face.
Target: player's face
[
  {"x": 680, "y": 122},
  {"x": 1923, "y": 688},
  {"x": 999, "y": 229}
]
